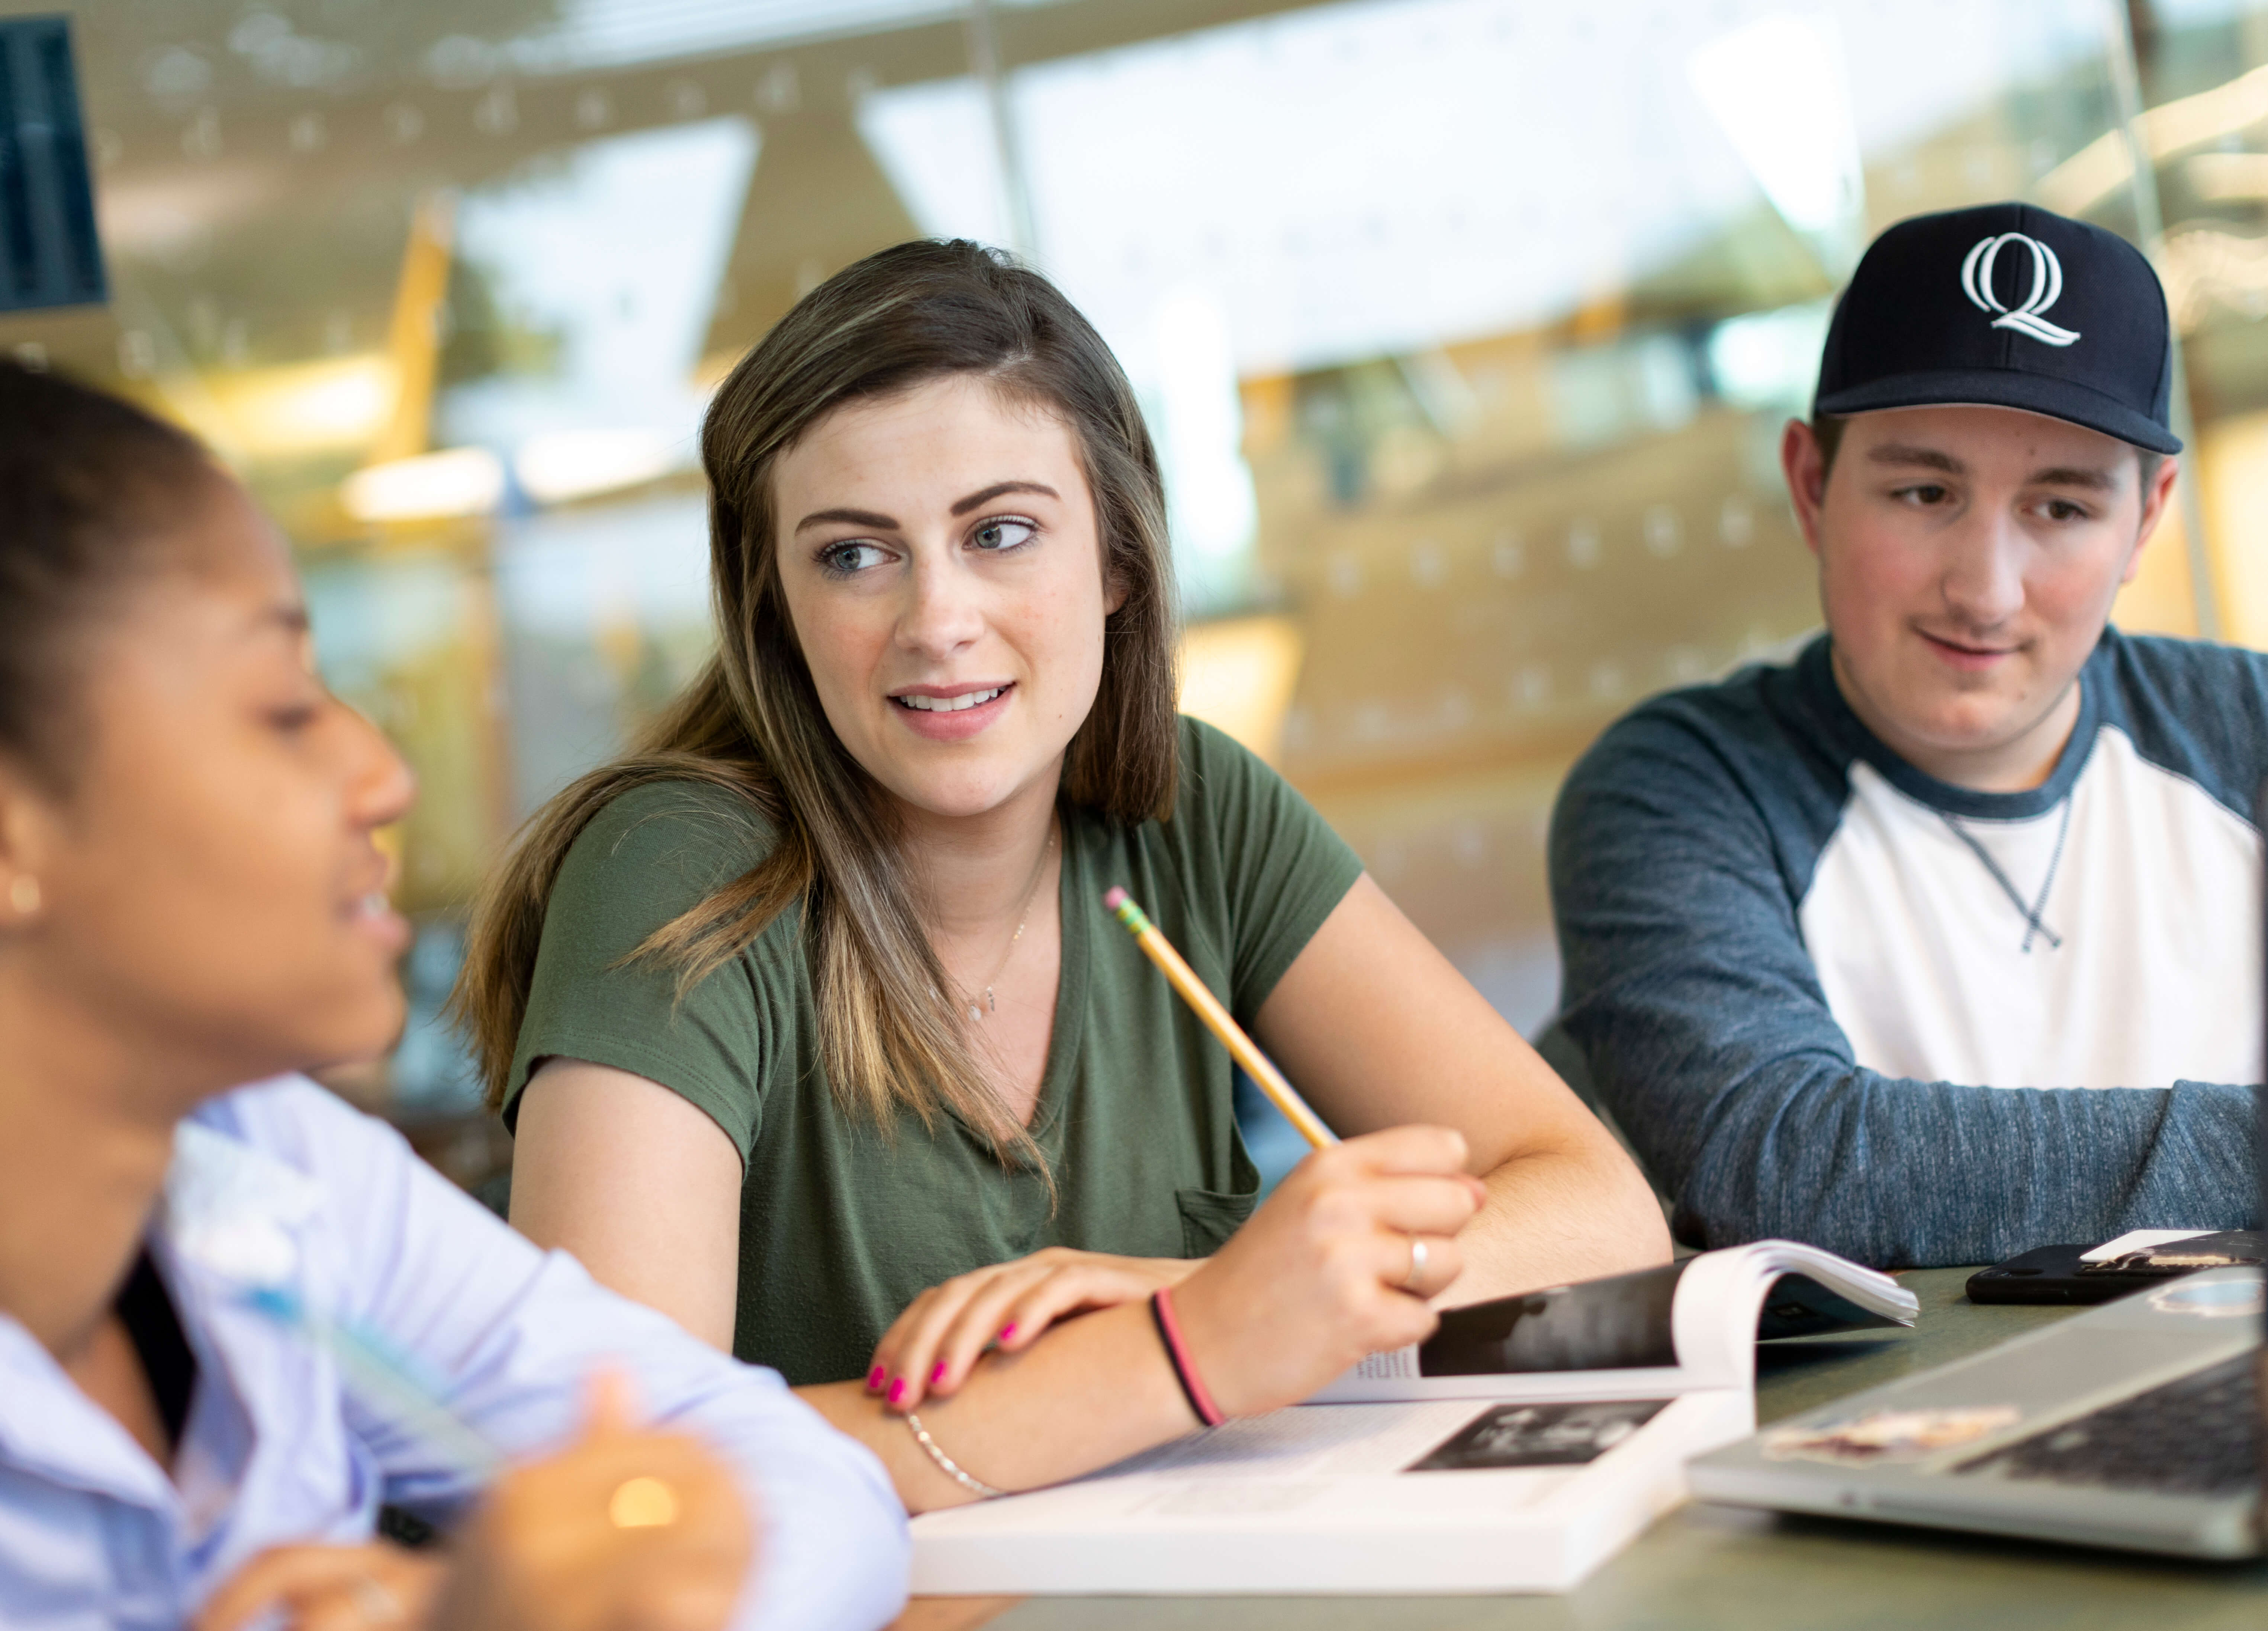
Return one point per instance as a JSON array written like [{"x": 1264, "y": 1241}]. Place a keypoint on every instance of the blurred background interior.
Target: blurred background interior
[{"x": 1466, "y": 328}]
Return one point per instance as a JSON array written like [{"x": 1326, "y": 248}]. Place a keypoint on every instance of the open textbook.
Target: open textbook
[{"x": 1527, "y": 1441}]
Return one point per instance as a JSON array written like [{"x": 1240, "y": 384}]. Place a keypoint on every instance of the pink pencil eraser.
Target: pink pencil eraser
[{"x": 1115, "y": 898}]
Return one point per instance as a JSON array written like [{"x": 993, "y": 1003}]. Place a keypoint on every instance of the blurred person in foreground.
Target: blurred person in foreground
[
  {"x": 1944, "y": 941},
  {"x": 192, "y": 908}
]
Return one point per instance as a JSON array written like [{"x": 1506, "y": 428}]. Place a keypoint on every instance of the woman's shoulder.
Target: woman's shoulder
[
  {"x": 1228, "y": 791},
  {"x": 1232, "y": 812},
  {"x": 1218, "y": 769},
  {"x": 644, "y": 966},
  {"x": 699, "y": 832},
  {"x": 651, "y": 853},
  {"x": 1245, "y": 862}
]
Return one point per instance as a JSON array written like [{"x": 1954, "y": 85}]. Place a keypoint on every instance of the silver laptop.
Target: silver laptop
[{"x": 2137, "y": 1424}]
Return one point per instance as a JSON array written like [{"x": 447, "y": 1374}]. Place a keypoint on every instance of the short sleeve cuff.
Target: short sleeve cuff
[{"x": 726, "y": 1106}]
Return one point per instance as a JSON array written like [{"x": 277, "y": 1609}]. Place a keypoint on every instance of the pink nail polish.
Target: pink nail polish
[
  {"x": 1008, "y": 1332},
  {"x": 874, "y": 1380},
  {"x": 897, "y": 1390},
  {"x": 938, "y": 1374}
]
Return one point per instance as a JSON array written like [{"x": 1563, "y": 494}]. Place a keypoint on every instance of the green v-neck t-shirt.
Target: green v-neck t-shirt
[{"x": 844, "y": 1221}]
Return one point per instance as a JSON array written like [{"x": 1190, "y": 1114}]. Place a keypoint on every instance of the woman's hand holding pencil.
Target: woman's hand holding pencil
[
  {"x": 1330, "y": 1271},
  {"x": 1339, "y": 1263}
]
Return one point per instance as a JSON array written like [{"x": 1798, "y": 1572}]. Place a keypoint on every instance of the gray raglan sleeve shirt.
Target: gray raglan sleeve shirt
[{"x": 1681, "y": 850}]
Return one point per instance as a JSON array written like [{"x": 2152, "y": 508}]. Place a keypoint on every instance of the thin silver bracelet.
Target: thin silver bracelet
[{"x": 945, "y": 1463}]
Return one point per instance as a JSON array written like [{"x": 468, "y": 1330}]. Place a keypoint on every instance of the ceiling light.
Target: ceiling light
[
  {"x": 1777, "y": 87},
  {"x": 566, "y": 465},
  {"x": 433, "y": 486}
]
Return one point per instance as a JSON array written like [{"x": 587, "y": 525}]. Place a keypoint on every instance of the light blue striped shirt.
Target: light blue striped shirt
[{"x": 281, "y": 1183}]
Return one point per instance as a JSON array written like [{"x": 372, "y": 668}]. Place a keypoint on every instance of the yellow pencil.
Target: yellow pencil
[{"x": 1217, "y": 1019}]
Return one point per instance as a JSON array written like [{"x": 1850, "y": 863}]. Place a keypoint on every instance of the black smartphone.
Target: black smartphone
[{"x": 2056, "y": 1274}]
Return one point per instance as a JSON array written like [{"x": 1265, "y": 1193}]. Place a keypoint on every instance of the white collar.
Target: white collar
[{"x": 233, "y": 1211}]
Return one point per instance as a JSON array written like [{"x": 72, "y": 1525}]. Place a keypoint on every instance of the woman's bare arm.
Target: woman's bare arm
[
  {"x": 636, "y": 1181},
  {"x": 1378, "y": 1028},
  {"x": 1314, "y": 1283},
  {"x": 621, "y": 1172}
]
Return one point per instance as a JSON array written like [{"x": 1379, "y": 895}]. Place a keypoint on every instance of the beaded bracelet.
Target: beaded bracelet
[
  {"x": 945, "y": 1463},
  {"x": 1169, "y": 1333}
]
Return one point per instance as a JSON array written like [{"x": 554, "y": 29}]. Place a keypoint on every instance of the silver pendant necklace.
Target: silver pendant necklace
[
  {"x": 976, "y": 1011},
  {"x": 2034, "y": 927}
]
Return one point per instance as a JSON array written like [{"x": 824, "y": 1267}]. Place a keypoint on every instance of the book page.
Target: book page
[
  {"x": 1468, "y": 1495},
  {"x": 1716, "y": 1315},
  {"x": 1687, "y": 1326},
  {"x": 1395, "y": 1364},
  {"x": 1622, "y": 1322},
  {"x": 1732, "y": 1299},
  {"x": 1321, "y": 1442},
  {"x": 1402, "y": 1459}
]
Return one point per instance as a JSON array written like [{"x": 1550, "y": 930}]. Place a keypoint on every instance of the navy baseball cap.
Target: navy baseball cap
[{"x": 2006, "y": 305}]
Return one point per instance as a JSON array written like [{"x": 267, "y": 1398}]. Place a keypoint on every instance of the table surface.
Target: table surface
[{"x": 1705, "y": 1566}]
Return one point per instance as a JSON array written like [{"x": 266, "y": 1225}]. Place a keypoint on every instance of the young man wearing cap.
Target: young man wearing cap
[{"x": 1945, "y": 940}]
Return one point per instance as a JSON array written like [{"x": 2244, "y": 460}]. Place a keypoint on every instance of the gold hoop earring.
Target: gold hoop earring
[{"x": 24, "y": 894}]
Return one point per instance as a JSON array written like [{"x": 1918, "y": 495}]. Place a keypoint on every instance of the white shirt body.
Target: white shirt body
[
  {"x": 282, "y": 1186},
  {"x": 2146, "y": 968}
]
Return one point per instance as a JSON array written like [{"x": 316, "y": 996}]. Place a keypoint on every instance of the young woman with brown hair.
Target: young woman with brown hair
[{"x": 816, "y": 1033}]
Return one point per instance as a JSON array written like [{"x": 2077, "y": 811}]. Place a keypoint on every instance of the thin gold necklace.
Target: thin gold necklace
[{"x": 990, "y": 1005}]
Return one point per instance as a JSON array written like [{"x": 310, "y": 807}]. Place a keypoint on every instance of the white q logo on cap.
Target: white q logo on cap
[{"x": 2047, "y": 288}]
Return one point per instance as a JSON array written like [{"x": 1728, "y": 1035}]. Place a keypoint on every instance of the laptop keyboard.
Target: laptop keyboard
[{"x": 2198, "y": 1435}]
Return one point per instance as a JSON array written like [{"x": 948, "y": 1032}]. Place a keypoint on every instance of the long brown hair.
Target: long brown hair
[{"x": 751, "y": 725}]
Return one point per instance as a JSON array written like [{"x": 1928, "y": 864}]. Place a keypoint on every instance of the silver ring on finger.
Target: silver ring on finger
[{"x": 1419, "y": 1252}]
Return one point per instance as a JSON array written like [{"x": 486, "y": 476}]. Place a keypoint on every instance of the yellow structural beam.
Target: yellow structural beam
[{"x": 413, "y": 339}]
